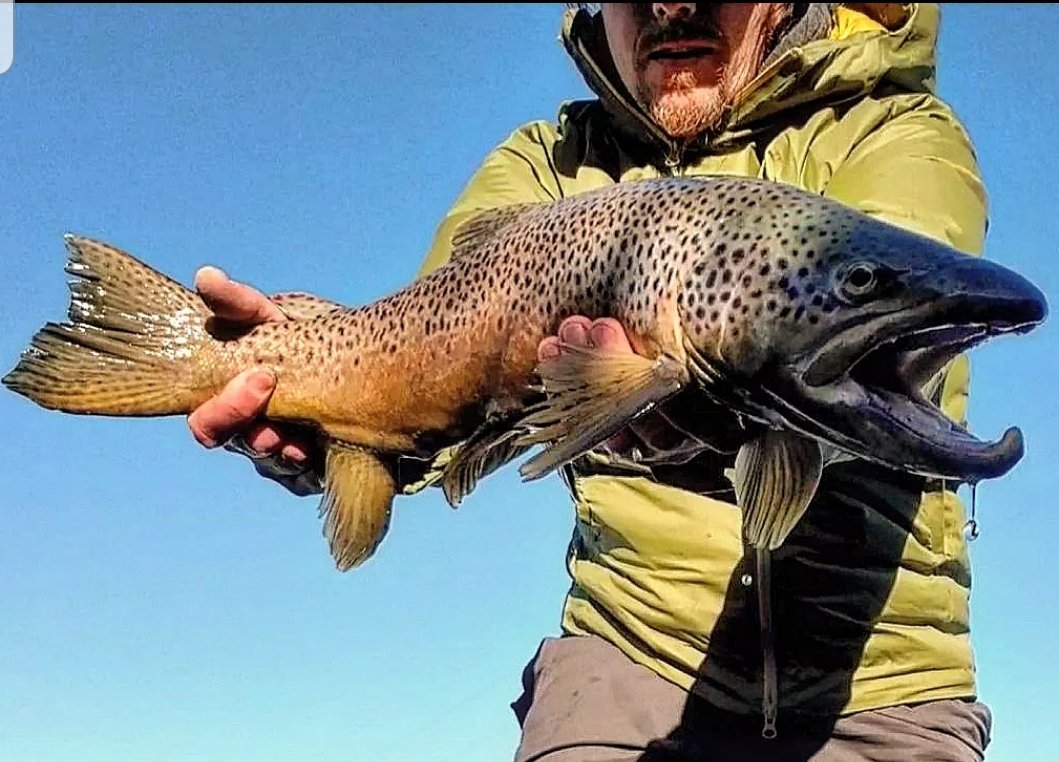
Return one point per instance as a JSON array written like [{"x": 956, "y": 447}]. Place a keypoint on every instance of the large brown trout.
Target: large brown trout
[{"x": 817, "y": 325}]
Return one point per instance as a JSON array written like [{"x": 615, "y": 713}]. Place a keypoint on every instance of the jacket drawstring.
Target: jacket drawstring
[{"x": 768, "y": 645}]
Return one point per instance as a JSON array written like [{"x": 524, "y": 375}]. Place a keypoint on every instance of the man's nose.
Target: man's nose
[{"x": 670, "y": 11}]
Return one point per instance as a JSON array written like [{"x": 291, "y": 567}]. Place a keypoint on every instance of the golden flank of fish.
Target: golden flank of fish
[{"x": 810, "y": 320}]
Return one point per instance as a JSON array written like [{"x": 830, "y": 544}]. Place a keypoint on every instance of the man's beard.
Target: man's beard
[
  {"x": 679, "y": 107},
  {"x": 683, "y": 110}
]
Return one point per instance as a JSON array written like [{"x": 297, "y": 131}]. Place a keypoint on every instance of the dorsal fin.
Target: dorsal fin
[
  {"x": 298, "y": 305},
  {"x": 480, "y": 228}
]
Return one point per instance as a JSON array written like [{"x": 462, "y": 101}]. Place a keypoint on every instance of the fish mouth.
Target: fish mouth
[{"x": 869, "y": 395}]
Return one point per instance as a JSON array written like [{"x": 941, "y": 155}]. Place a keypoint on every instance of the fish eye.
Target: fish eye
[{"x": 860, "y": 280}]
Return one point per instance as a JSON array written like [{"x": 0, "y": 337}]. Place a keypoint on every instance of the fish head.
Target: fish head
[{"x": 843, "y": 319}]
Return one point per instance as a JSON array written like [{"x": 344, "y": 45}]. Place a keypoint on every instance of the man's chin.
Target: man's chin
[{"x": 687, "y": 112}]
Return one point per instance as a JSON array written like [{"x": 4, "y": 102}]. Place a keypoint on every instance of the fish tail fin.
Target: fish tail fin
[{"x": 129, "y": 346}]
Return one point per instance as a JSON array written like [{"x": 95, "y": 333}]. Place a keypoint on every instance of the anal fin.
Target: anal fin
[
  {"x": 358, "y": 496},
  {"x": 775, "y": 478},
  {"x": 592, "y": 395}
]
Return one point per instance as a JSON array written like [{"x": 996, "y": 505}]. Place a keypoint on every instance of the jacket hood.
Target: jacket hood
[{"x": 830, "y": 53}]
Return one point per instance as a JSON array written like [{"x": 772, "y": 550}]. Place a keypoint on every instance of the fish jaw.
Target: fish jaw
[{"x": 860, "y": 388}]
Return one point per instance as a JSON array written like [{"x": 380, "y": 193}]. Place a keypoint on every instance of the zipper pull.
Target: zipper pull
[
  {"x": 970, "y": 529},
  {"x": 770, "y": 688},
  {"x": 768, "y": 730},
  {"x": 674, "y": 156}
]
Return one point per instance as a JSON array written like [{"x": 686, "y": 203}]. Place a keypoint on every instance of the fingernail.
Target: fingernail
[
  {"x": 261, "y": 382},
  {"x": 207, "y": 272},
  {"x": 294, "y": 455},
  {"x": 549, "y": 351},
  {"x": 602, "y": 332},
  {"x": 573, "y": 333},
  {"x": 210, "y": 269}
]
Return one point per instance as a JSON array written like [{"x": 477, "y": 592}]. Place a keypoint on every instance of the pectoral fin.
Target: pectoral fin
[
  {"x": 591, "y": 396},
  {"x": 358, "y": 494},
  {"x": 488, "y": 449},
  {"x": 775, "y": 478}
]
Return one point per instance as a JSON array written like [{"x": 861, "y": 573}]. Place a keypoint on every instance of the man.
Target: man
[{"x": 662, "y": 656}]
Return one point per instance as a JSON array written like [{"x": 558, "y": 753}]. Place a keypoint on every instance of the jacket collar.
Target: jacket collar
[{"x": 809, "y": 64}]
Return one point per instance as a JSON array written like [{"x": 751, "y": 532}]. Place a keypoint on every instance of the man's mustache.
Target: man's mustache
[{"x": 697, "y": 27}]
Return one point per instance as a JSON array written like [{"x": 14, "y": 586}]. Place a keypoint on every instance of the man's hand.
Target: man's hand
[
  {"x": 231, "y": 417},
  {"x": 653, "y": 434}
]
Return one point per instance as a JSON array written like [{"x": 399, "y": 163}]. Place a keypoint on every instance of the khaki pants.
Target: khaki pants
[{"x": 585, "y": 701}]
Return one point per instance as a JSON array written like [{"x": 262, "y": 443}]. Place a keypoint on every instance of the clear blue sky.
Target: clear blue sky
[{"x": 162, "y": 603}]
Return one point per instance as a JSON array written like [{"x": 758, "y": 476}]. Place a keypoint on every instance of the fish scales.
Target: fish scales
[
  {"x": 814, "y": 324},
  {"x": 412, "y": 364}
]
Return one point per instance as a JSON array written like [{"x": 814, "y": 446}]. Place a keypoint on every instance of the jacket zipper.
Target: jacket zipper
[
  {"x": 673, "y": 159},
  {"x": 770, "y": 687},
  {"x": 674, "y": 151},
  {"x": 673, "y": 163}
]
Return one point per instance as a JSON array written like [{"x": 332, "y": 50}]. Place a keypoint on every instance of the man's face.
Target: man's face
[{"x": 685, "y": 62}]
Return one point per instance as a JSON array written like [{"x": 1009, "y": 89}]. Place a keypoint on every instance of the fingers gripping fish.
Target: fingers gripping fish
[{"x": 815, "y": 322}]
